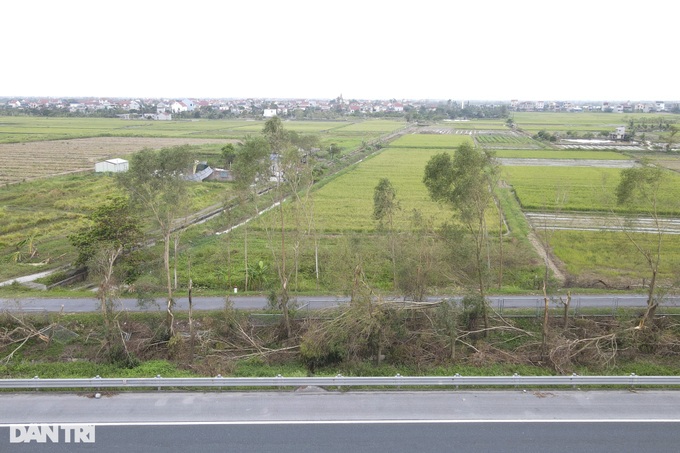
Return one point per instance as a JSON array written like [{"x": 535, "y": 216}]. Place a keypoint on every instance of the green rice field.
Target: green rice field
[
  {"x": 15, "y": 129},
  {"x": 578, "y": 189},
  {"x": 593, "y": 254},
  {"x": 346, "y": 203},
  {"x": 424, "y": 141}
]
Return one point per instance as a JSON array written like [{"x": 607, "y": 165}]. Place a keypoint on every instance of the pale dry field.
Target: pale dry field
[{"x": 30, "y": 160}]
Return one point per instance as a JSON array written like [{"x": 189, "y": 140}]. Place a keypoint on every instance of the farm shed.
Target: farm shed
[{"x": 111, "y": 165}]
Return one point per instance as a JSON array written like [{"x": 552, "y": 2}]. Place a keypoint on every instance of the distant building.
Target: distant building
[
  {"x": 182, "y": 106},
  {"x": 619, "y": 134},
  {"x": 111, "y": 166},
  {"x": 269, "y": 113},
  {"x": 221, "y": 174}
]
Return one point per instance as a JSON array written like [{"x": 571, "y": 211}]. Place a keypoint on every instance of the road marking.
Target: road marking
[{"x": 362, "y": 422}]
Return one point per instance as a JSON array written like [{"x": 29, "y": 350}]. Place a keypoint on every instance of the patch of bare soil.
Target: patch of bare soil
[
  {"x": 545, "y": 256},
  {"x": 30, "y": 160}
]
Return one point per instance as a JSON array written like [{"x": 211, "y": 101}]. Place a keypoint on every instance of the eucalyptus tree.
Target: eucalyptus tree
[
  {"x": 385, "y": 205},
  {"x": 156, "y": 185},
  {"x": 642, "y": 189},
  {"x": 466, "y": 182},
  {"x": 114, "y": 230},
  {"x": 251, "y": 169}
]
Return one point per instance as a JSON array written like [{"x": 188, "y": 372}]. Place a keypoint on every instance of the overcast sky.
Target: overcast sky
[{"x": 367, "y": 49}]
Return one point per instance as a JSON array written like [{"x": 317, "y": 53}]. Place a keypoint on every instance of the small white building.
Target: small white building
[
  {"x": 269, "y": 113},
  {"x": 112, "y": 166},
  {"x": 619, "y": 134}
]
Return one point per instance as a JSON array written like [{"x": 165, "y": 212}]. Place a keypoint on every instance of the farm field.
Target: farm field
[
  {"x": 424, "y": 141},
  {"x": 592, "y": 257},
  {"x": 491, "y": 124},
  {"x": 49, "y": 146},
  {"x": 343, "y": 210},
  {"x": 577, "y": 189},
  {"x": 507, "y": 140},
  {"x": 343, "y": 205},
  {"x": 581, "y": 122},
  {"x": 25, "y": 161},
  {"x": 340, "y": 204},
  {"x": 51, "y": 209},
  {"x": 15, "y": 129},
  {"x": 560, "y": 154},
  {"x": 595, "y": 255}
]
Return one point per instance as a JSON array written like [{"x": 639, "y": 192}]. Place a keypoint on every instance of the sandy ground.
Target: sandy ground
[{"x": 23, "y": 161}]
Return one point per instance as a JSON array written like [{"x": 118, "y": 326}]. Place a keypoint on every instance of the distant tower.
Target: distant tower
[{"x": 462, "y": 104}]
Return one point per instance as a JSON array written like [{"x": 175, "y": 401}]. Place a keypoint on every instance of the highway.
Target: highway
[
  {"x": 499, "y": 303},
  {"x": 314, "y": 420}
]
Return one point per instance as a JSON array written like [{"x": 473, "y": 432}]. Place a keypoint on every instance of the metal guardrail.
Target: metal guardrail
[{"x": 397, "y": 381}]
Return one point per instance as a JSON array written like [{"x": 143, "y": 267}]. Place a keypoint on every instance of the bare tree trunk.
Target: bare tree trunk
[
  {"x": 316, "y": 261},
  {"x": 229, "y": 259},
  {"x": 480, "y": 275},
  {"x": 544, "y": 333},
  {"x": 651, "y": 304},
  {"x": 245, "y": 253},
  {"x": 170, "y": 317},
  {"x": 500, "y": 245},
  {"x": 283, "y": 275},
  {"x": 176, "y": 245},
  {"x": 566, "y": 310},
  {"x": 192, "y": 339}
]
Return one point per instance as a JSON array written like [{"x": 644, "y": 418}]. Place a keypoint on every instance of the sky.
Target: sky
[{"x": 369, "y": 49}]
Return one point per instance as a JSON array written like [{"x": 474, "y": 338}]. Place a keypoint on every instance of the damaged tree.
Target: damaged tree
[
  {"x": 157, "y": 187},
  {"x": 642, "y": 188},
  {"x": 466, "y": 182},
  {"x": 114, "y": 231}
]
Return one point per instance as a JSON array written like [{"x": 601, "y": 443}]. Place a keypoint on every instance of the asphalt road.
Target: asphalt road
[
  {"x": 310, "y": 302},
  {"x": 482, "y": 437},
  {"x": 312, "y": 420}
]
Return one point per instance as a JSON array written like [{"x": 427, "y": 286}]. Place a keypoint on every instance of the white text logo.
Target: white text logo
[{"x": 41, "y": 433}]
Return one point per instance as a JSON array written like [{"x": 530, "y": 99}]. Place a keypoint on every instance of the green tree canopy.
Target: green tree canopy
[
  {"x": 113, "y": 225},
  {"x": 251, "y": 162},
  {"x": 384, "y": 201},
  {"x": 228, "y": 154}
]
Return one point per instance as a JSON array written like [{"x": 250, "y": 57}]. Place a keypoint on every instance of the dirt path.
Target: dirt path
[{"x": 545, "y": 256}]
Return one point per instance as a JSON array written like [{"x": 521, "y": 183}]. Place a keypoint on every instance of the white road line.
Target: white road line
[{"x": 352, "y": 422}]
